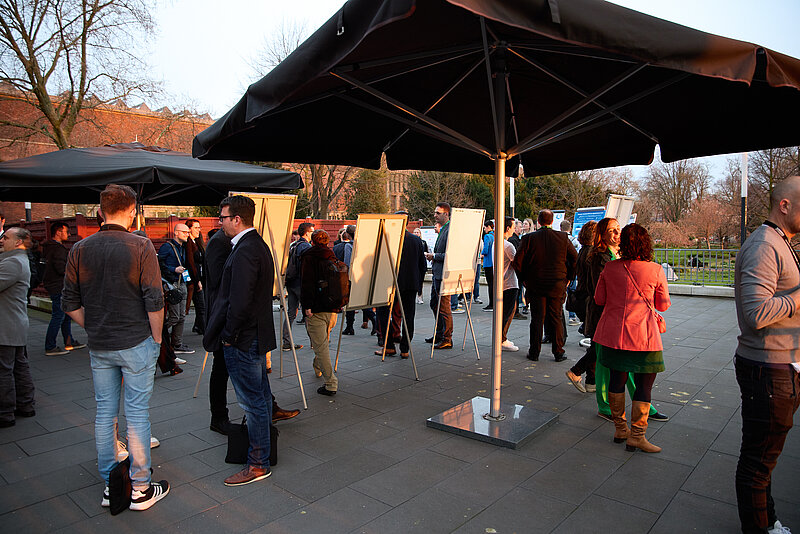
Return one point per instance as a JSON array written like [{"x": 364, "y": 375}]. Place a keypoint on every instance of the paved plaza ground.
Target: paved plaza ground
[{"x": 364, "y": 461}]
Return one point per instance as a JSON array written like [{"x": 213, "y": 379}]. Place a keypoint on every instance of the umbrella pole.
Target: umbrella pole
[{"x": 497, "y": 313}]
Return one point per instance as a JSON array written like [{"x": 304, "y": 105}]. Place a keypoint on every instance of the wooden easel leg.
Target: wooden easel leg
[
  {"x": 339, "y": 344},
  {"x": 436, "y": 318},
  {"x": 202, "y": 369},
  {"x": 469, "y": 324}
]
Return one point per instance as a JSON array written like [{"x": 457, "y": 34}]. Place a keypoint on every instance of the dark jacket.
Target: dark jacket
[
  {"x": 596, "y": 263},
  {"x": 168, "y": 261},
  {"x": 55, "y": 256},
  {"x": 242, "y": 309},
  {"x": 545, "y": 262},
  {"x": 438, "y": 252},
  {"x": 412, "y": 264},
  {"x": 298, "y": 248},
  {"x": 515, "y": 240},
  {"x": 217, "y": 252},
  {"x": 194, "y": 259},
  {"x": 310, "y": 268}
]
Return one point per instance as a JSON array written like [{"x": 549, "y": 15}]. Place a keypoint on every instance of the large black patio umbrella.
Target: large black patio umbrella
[
  {"x": 471, "y": 85},
  {"x": 159, "y": 176}
]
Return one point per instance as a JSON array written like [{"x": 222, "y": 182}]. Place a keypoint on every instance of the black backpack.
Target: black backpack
[
  {"x": 292, "y": 267},
  {"x": 333, "y": 285}
]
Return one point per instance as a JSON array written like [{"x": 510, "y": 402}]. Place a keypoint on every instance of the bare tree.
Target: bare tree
[
  {"x": 324, "y": 183},
  {"x": 673, "y": 187},
  {"x": 711, "y": 218},
  {"x": 766, "y": 168},
  {"x": 87, "y": 52},
  {"x": 426, "y": 188}
]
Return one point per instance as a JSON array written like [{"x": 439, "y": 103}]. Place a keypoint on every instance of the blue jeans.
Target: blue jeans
[
  {"x": 248, "y": 372},
  {"x": 133, "y": 368},
  {"x": 58, "y": 321}
]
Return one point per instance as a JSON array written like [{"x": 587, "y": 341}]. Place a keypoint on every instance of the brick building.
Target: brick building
[{"x": 99, "y": 125}]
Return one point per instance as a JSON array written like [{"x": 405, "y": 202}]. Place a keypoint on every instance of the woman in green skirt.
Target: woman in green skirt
[{"x": 627, "y": 335}]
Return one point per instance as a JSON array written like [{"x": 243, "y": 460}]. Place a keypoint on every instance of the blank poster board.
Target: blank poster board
[
  {"x": 273, "y": 220},
  {"x": 463, "y": 244},
  {"x": 371, "y": 266},
  {"x": 620, "y": 207}
]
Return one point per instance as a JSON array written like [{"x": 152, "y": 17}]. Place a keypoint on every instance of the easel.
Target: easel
[
  {"x": 468, "y": 307},
  {"x": 384, "y": 240},
  {"x": 281, "y": 290}
]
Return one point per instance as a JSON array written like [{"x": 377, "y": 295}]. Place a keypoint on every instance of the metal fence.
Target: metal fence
[{"x": 699, "y": 267}]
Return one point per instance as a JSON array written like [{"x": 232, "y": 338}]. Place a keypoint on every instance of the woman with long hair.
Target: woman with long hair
[
  {"x": 581, "y": 295},
  {"x": 627, "y": 335}
]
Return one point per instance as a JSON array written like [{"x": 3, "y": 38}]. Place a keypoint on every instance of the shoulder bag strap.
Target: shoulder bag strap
[
  {"x": 175, "y": 250},
  {"x": 645, "y": 299}
]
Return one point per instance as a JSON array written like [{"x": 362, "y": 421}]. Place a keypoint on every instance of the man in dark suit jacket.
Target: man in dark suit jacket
[
  {"x": 546, "y": 263},
  {"x": 241, "y": 321},
  {"x": 444, "y": 328},
  {"x": 409, "y": 280}
]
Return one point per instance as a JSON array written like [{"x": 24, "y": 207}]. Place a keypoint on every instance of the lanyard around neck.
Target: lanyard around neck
[{"x": 781, "y": 233}]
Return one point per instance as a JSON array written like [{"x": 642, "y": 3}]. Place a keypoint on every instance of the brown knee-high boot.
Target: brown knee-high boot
[
  {"x": 636, "y": 439},
  {"x": 616, "y": 402}
]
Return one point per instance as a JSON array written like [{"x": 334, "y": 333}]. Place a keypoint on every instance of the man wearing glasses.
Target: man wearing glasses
[
  {"x": 172, "y": 260},
  {"x": 241, "y": 322},
  {"x": 443, "y": 339}
]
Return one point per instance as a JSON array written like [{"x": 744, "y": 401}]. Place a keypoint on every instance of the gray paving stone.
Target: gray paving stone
[
  {"x": 16, "y": 495},
  {"x": 519, "y": 511},
  {"x": 645, "y": 481},
  {"x": 572, "y": 477},
  {"x": 408, "y": 478},
  {"x": 550, "y": 445},
  {"x": 432, "y": 512},
  {"x": 340, "y": 512},
  {"x": 598, "y": 514},
  {"x": 323, "y": 479},
  {"x": 700, "y": 514},
  {"x": 491, "y": 477},
  {"x": 45, "y": 516},
  {"x": 408, "y": 442},
  {"x": 56, "y": 440},
  {"x": 680, "y": 443},
  {"x": 344, "y": 441},
  {"x": 714, "y": 478}
]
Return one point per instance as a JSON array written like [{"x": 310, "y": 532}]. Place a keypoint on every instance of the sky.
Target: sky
[{"x": 203, "y": 49}]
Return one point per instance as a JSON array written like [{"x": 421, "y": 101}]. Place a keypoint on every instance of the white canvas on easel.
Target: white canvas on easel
[
  {"x": 463, "y": 245},
  {"x": 274, "y": 215},
  {"x": 620, "y": 208},
  {"x": 378, "y": 244}
]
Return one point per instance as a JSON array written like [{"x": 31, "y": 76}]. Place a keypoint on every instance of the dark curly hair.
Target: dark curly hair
[
  {"x": 635, "y": 243},
  {"x": 586, "y": 235}
]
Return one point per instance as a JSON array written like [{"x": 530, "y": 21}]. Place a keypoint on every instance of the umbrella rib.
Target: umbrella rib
[
  {"x": 458, "y": 51},
  {"x": 475, "y": 146},
  {"x": 461, "y": 78},
  {"x": 530, "y": 145},
  {"x": 413, "y": 125},
  {"x": 492, "y": 102},
  {"x": 467, "y": 51},
  {"x": 583, "y": 93},
  {"x": 589, "y": 98}
]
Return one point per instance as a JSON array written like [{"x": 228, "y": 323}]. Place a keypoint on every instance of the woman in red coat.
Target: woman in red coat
[{"x": 628, "y": 335}]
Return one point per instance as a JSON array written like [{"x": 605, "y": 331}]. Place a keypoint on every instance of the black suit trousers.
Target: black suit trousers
[
  {"x": 549, "y": 310},
  {"x": 408, "y": 296}
]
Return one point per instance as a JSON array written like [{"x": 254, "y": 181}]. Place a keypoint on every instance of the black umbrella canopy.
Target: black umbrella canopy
[
  {"x": 159, "y": 175},
  {"x": 585, "y": 84}
]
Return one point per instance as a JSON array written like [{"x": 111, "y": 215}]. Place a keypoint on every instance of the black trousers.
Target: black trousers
[
  {"x": 410, "y": 308},
  {"x": 509, "y": 308},
  {"x": 488, "y": 273},
  {"x": 769, "y": 401},
  {"x": 218, "y": 387},
  {"x": 546, "y": 309},
  {"x": 586, "y": 364}
]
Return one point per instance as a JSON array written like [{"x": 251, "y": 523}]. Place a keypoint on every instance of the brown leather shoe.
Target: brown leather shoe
[
  {"x": 389, "y": 352},
  {"x": 279, "y": 414},
  {"x": 247, "y": 475},
  {"x": 404, "y": 355}
]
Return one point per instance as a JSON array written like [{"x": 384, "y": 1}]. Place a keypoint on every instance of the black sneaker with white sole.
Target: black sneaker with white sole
[{"x": 142, "y": 500}]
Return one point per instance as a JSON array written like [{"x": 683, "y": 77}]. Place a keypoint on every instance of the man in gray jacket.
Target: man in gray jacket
[
  {"x": 16, "y": 384},
  {"x": 767, "y": 359}
]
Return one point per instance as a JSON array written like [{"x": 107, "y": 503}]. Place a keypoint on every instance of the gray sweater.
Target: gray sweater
[
  {"x": 15, "y": 277},
  {"x": 767, "y": 298}
]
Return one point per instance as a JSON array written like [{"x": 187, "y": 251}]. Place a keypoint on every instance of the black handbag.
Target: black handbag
[
  {"x": 239, "y": 443},
  {"x": 119, "y": 487}
]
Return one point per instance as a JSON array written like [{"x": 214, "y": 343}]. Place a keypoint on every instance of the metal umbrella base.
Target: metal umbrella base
[{"x": 516, "y": 425}]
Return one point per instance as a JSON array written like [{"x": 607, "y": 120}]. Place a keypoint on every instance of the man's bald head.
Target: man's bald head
[
  {"x": 785, "y": 200},
  {"x": 181, "y": 232}
]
